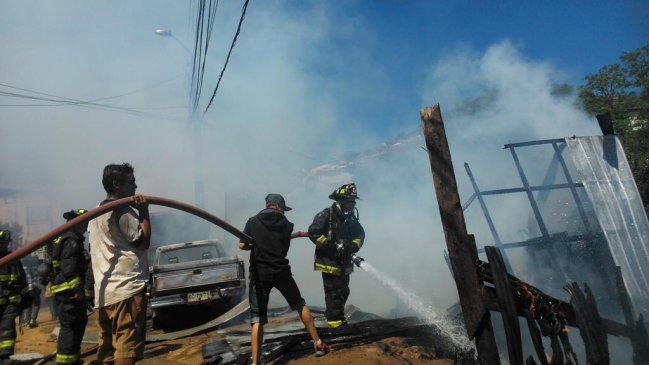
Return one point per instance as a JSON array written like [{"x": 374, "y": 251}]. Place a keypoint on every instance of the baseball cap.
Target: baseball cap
[{"x": 276, "y": 199}]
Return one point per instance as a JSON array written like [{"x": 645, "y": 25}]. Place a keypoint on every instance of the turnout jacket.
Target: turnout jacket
[
  {"x": 13, "y": 282},
  {"x": 329, "y": 228},
  {"x": 71, "y": 262}
]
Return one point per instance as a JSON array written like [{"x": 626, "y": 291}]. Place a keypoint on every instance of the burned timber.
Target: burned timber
[{"x": 488, "y": 286}]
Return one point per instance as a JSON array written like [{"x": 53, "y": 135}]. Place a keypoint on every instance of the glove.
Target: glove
[
  {"x": 90, "y": 304},
  {"x": 79, "y": 296},
  {"x": 86, "y": 255},
  {"x": 340, "y": 247},
  {"x": 328, "y": 246},
  {"x": 350, "y": 248},
  {"x": 45, "y": 280}
]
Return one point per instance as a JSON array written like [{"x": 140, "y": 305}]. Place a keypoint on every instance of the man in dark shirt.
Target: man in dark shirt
[{"x": 269, "y": 268}]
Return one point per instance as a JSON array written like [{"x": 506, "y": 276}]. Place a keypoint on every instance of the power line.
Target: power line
[
  {"x": 203, "y": 32},
  {"x": 64, "y": 101},
  {"x": 234, "y": 41}
]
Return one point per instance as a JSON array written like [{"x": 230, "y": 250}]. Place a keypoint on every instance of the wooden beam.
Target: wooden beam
[{"x": 461, "y": 248}]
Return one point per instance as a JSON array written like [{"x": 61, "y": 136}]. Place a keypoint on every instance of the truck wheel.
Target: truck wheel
[{"x": 159, "y": 319}]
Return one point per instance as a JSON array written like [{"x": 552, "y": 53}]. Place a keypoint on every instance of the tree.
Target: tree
[{"x": 623, "y": 90}]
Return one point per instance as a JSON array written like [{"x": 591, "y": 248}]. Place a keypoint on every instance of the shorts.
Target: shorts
[
  {"x": 258, "y": 295},
  {"x": 128, "y": 318}
]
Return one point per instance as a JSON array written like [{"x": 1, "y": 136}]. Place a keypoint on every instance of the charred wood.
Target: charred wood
[
  {"x": 588, "y": 320},
  {"x": 508, "y": 310}
]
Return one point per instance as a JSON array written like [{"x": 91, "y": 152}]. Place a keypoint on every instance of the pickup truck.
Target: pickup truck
[{"x": 194, "y": 273}]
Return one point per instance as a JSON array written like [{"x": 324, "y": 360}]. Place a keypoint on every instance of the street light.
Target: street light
[
  {"x": 195, "y": 122},
  {"x": 167, "y": 33}
]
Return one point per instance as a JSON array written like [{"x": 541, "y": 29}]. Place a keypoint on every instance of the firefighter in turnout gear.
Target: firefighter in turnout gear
[
  {"x": 14, "y": 297},
  {"x": 71, "y": 288},
  {"x": 337, "y": 235}
]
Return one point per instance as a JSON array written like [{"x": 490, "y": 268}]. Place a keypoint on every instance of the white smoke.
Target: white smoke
[{"x": 296, "y": 92}]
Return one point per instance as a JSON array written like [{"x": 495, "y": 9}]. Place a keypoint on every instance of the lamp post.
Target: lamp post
[
  {"x": 167, "y": 33},
  {"x": 196, "y": 123}
]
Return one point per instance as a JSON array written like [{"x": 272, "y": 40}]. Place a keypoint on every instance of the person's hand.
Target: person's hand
[
  {"x": 340, "y": 247},
  {"x": 78, "y": 296},
  {"x": 330, "y": 246},
  {"x": 90, "y": 304},
  {"x": 139, "y": 202},
  {"x": 349, "y": 247}
]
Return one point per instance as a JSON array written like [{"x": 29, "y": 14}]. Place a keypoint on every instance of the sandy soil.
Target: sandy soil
[{"x": 388, "y": 351}]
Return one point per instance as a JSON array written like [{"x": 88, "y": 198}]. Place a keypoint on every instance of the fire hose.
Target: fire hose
[
  {"x": 103, "y": 209},
  {"x": 355, "y": 258}
]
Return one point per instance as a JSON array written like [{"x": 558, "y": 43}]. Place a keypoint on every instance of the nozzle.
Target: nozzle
[{"x": 357, "y": 259}]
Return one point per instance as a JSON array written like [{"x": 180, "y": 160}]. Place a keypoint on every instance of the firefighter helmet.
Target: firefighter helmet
[
  {"x": 44, "y": 269},
  {"x": 5, "y": 235},
  {"x": 347, "y": 191},
  {"x": 73, "y": 214}
]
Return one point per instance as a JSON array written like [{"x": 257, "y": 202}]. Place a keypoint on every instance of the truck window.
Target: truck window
[{"x": 190, "y": 253}]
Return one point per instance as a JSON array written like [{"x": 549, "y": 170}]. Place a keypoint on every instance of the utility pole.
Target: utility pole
[
  {"x": 199, "y": 185},
  {"x": 196, "y": 123}
]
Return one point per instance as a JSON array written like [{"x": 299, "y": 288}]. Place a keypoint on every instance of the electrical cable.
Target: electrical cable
[
  {"x": 234, "y": 41},
  {"x": 64, "y": 101},
  {"x": 210, "y": 26}
]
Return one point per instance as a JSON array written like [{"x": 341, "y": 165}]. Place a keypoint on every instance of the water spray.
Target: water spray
[{"x": 455, "y": 333}]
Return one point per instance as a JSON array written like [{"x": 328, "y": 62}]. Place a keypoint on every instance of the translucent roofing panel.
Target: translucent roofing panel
[{"x": 608, "y": 181}]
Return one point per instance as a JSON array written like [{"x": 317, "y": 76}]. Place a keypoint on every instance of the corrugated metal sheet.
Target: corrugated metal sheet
[{"x": 608, "y": 181}]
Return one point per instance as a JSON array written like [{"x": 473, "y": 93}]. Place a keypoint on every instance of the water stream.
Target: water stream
[{"x": 455, "y": 333}]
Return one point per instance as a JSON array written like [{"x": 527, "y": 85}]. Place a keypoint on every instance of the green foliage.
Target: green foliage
[
  {"x": 16, "y": 231},
  {"x": 559, "y": 90},
  {"x": 623, "y": 90}
]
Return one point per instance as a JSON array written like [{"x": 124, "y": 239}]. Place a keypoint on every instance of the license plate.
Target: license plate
[{"x": 200, "y": 296}]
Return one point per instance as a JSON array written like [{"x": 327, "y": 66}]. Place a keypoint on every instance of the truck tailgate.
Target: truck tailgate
[{"x": 198, "y": 278}]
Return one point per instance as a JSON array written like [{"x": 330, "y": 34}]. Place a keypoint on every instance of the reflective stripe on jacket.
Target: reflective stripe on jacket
[
  {"x": 13, "y": 281},
  {"x": 326, "y": 235},
  {"x": 69, "y": 263}
]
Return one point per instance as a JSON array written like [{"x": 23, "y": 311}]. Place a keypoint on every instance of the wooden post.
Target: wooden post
[{"x": 462, "y": 250}]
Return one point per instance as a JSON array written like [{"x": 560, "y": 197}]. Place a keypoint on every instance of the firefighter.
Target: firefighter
[
  {"x": 70, "y": 265},
  {"x": 337, "y": 235},
  {"x": 14, "y": 297}
]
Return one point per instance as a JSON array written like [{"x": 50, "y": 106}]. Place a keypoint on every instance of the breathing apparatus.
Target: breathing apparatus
[
  {"x": 345, "y": 197},
  {"x": 5, "y": 240},
  {"x": 50, "y": 267}
]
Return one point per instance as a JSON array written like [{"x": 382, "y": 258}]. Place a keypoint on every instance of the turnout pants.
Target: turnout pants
[
  {"x": 8, "y": 329},
  {"x": 72, "y": 320},
  {"x": 336, "y": 288}
]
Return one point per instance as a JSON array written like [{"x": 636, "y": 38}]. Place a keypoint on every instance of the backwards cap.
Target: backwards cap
[{"x": 276, "y": 199}]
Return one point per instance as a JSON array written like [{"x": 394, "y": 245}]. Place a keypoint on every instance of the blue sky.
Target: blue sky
[{"x": 307, "y": 80}]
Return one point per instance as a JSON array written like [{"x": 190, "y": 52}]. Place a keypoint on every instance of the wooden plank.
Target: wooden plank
[{"x": 461, "y": 248}]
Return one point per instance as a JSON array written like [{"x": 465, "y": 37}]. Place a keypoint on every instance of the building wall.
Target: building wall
[{"x": 35, "y": 214}]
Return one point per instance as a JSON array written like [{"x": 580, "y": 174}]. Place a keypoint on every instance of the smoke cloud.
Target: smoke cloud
[{"x": 293, "y": 97}]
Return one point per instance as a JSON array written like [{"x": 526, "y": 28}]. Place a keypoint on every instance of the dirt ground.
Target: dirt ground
[{"x": 188, "y": 350}]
